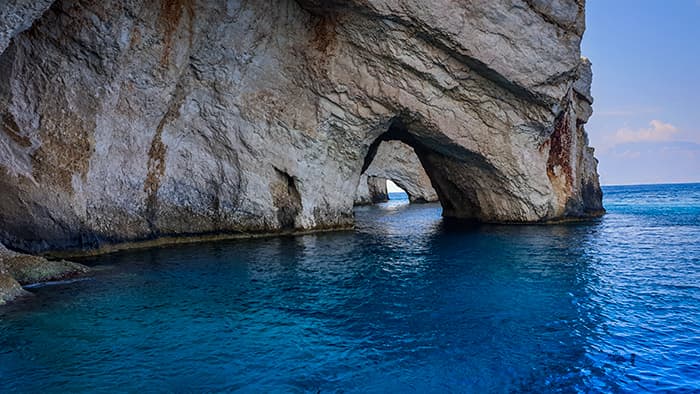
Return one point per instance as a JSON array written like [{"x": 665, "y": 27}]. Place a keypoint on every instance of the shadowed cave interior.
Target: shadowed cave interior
[{"x": 428, "y": 169}]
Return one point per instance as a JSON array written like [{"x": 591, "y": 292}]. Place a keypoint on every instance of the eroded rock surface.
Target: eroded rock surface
[
  {"x": 17, "y": 16},
  {"x": 10, "y": 289},
  {"x": 17, "y": 269},
  {"x": 371, "y": 190},
  {"x": 131, "y": 120}
]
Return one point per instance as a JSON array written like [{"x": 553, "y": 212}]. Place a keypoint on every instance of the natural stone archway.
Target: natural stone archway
[
  {"x": 126, "y": 121},
  {"x": 470, "y": 186},
  {"x": 398, "y": 162}
]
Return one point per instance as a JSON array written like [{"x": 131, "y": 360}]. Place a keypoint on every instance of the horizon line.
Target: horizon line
[{"x": 652, "y": 183}]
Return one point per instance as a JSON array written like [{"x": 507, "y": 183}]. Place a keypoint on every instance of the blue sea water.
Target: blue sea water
[{"x": 403, "y": 304}]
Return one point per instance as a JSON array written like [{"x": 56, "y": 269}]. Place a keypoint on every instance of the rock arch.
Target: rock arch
[
  {"x": 468, "y": 185},
  {"x": 129, "y": 121},
  {"x": 395, "y": 161}
]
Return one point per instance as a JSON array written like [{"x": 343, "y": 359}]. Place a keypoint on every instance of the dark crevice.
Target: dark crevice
[
  {"x": 567, "y": 27},
  {"x": 371, "y": 153},
  {"x": 286, "y": 198}
]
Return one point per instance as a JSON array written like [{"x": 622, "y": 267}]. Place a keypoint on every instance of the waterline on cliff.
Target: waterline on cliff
[{"x": 54, "y": 283}]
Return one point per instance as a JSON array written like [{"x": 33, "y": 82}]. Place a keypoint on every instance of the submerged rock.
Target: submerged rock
[
  {"x": 126, "y": 121},
  {"x": 28, "y": 269},
  {"x": 17, "y": 269}
]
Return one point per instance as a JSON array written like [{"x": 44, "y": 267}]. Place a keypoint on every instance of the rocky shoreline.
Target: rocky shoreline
[{"x": 18, "y": 270}]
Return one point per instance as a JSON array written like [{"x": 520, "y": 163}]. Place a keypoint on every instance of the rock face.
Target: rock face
[
  {"x": 130, "y": 120},
  {"x": 371, "y": 190},
  {"x": 17, "y": 269},
  {"x": 10, "y": 289},
  {"x": 398, "y": 162},
  {"x": 17, "y": 16}
]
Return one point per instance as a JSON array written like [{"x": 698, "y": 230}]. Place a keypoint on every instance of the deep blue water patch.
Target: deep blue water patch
[{"x": 403, "y": 304}]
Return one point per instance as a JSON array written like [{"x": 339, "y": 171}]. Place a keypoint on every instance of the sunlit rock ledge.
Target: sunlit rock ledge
[{"x": 127, "y": 121}]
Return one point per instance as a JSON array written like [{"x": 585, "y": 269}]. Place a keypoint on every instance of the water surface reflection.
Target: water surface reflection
[{"x": 403, "y": 303}]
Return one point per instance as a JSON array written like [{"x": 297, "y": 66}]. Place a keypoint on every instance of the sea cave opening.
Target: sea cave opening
[
  {"x": 433, "y": 167},
  {"x": 395, "y": 192},
  {"x": 394, "y": 173}
]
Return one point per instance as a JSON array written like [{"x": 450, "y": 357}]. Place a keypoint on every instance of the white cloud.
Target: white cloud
[
  {"x": 654, "y": 162},
  {"x": 657, "y": 131}
]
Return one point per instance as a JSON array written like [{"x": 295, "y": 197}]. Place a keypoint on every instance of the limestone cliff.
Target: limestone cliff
[{"x": 131, "y": 120}]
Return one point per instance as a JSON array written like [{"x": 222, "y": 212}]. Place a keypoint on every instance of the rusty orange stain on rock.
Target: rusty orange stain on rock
[
  {"x": 171, "y": 12},
  {"x": 560, "y": 149},
  {"x": 324, "y": 35}
]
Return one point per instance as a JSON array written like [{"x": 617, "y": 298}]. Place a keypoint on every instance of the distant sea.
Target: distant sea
[{"x": 402, "y": 304}]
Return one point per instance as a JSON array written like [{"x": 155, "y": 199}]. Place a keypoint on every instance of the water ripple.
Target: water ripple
[{"x": 405, "y": 303}]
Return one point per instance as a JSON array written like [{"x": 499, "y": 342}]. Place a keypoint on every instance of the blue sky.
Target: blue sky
[{"x": 646, "y": 85}]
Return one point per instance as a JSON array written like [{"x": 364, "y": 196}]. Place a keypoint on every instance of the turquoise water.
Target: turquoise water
[{"x": 403, "y": 304}]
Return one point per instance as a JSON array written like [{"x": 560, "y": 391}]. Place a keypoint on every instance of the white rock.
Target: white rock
[{"x": 125, "y": 121}]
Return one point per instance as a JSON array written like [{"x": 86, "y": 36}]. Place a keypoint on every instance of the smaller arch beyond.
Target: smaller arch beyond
[
  {"x": 467, "y": 185},
  {"x": 398, "y": 162}
]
